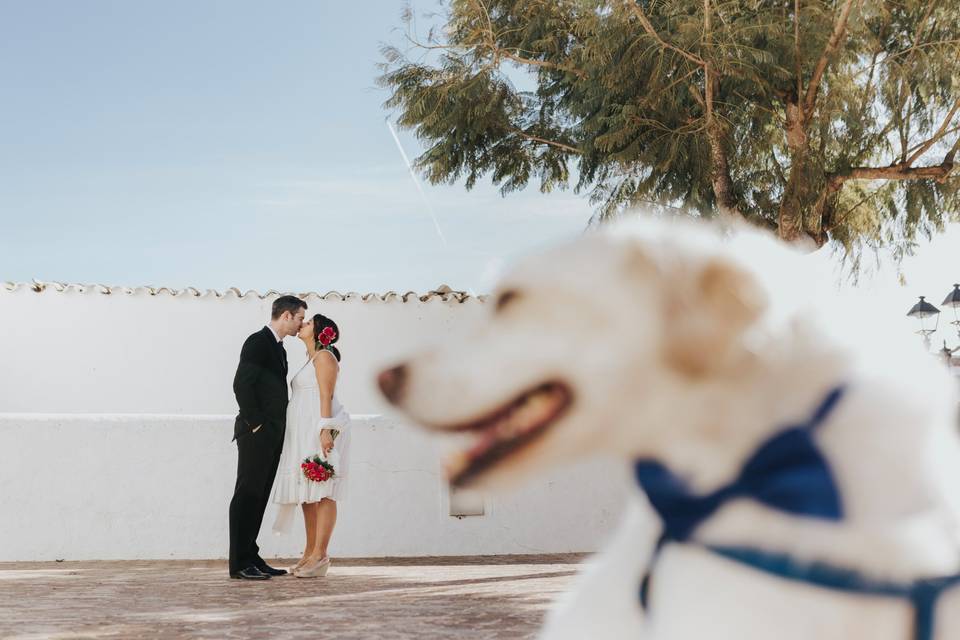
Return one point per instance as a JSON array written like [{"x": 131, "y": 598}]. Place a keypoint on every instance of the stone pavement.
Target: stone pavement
[{"x": 469, "y": 598}]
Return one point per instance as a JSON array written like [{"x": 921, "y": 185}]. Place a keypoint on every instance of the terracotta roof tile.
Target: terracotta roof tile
[{"x": 443, "y": 292}]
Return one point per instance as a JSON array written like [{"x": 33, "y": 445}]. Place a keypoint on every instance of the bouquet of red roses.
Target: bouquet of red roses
[{"x": 316, "y": 469}]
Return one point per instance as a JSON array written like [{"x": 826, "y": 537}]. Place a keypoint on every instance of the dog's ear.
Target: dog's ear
[{"x": 707, "y": 316}]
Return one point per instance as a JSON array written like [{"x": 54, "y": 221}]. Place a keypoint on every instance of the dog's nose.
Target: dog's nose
[{"x": 391, "y": 382}]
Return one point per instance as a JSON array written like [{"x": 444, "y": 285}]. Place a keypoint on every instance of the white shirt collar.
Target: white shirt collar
[{"x": 274, "y": 333}]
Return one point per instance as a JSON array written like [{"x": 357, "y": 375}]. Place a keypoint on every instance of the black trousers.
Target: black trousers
[{"x": 258, "y": 456}]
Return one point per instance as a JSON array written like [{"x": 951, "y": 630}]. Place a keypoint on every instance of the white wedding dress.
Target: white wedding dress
[{"x": 302, "y": 440}]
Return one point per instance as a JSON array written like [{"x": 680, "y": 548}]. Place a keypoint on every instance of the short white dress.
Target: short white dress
[{"x": 302, "y": 440}]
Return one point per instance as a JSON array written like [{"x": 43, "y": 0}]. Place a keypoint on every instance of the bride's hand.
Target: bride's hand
[{"x": 326, "y": 441}]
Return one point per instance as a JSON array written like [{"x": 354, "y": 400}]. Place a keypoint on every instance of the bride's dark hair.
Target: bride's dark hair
[{"x": 321, "y": 322}]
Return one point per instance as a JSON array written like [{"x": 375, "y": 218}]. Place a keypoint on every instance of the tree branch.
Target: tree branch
[
  {"x": 953, "y": 152},
  {"x": 648, "y": 27},
  {"x": 910, "y": 50},
  {"x": 796, "y": 46},
  {"x": 843, "y": 214},
  {"x": 551, "y": 143},
  {"x": 490, "y": 41},
  {"x": 839, "y": 28},
  {"x": 894, "y": 172},
  {"x": 778, "y": 166},
  {"x": 707, "y": 68},
  {"x": 868, "y": 85},
  {"x": 655, "y": 94},
  {"x": 503, "y": 53},
  {"x": 942, "y": 131},
  {"x": 903, "y": 124},
  {"x": 720, "y": 165}
]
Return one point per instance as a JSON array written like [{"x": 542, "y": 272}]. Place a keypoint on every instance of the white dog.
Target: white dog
[{"x": 806, "y": 480}]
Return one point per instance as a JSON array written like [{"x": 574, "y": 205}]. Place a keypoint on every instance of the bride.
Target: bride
[{"x": 316, "y": 424}]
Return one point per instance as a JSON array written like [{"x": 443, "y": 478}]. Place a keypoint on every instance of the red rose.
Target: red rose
[{"x": 327, "y": 336}]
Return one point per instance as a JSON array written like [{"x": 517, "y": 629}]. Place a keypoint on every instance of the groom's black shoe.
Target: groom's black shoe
[
  {"x": 250, "y": 573},
  {"x": 270, "y": 571}
]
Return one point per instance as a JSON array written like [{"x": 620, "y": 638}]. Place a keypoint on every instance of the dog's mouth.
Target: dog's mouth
[{"x": 506, "y": 430}]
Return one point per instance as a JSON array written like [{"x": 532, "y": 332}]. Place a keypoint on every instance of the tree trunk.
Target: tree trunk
[
  {"x": 790, "y": 216},
  {"x": 720, "y": 177}
]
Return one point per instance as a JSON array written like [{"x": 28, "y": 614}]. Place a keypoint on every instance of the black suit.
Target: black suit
[{"x": 261, "y": 390}]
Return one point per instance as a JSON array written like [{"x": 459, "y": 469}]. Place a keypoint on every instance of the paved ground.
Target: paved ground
[{"x": 469, "y": 598}]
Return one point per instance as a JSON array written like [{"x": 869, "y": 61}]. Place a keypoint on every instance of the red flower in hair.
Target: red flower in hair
[{"x": 327, "y": 336}]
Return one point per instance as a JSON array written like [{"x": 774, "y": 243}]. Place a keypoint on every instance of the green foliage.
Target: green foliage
[{"x": 733, "y": 106}]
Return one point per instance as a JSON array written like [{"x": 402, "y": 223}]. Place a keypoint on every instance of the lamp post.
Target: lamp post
[
  {"x": 953, "y": 301},
  {"x": 928, "y": 316},
  {"x": 923, "y": 311}
]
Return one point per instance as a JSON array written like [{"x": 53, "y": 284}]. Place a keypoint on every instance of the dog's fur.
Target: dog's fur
[{"x": 692, "y": 346}]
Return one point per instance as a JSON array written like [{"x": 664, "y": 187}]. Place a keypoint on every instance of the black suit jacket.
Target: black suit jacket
[{"x": 260, "y": 385}]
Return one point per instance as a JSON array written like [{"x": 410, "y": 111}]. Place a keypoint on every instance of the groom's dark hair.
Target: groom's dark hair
[{"x": 286, "y": 303}]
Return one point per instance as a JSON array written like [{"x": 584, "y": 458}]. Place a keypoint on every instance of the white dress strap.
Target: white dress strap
[{"x": 306, "y": 363}]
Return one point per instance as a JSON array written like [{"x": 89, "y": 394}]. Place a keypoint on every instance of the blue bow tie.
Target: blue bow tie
[{"x": 787, "y": 473}]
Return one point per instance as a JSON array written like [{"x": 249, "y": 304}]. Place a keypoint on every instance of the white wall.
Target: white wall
[
  {"x": 87, "y": 352},
  {"x": 130, "y": 487},
  {"x": 115, "y": 426}
]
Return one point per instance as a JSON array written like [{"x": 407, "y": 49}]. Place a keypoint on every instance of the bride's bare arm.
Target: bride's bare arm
[{"x": 327, "y": 369}]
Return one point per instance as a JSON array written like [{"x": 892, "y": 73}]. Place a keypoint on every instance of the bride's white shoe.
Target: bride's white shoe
[
  {"x": 316, "y": 570},
  {"x": 300, "y": 564}
]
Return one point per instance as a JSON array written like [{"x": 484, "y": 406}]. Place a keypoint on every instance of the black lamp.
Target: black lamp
[
  {"x": 953, "y": 301},
  {"x": 922, "y": 311}
]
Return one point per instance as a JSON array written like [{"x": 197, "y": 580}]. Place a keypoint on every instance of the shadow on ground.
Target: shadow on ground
[{"x": 486, "y": 597}]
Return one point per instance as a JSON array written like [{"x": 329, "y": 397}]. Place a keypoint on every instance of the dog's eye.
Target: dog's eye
[{"x": 505, "y": 298}]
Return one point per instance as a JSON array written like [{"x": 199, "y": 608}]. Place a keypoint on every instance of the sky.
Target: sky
[
  {"x": 886, "y": 287},
  {"x": 219, "y": 143},
  {"x": 231, "y": 143}
]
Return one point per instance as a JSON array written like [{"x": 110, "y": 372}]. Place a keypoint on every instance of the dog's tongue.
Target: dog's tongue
[
  {"x": 458, "y": 462},
  {"x": 483, "y": 444},
  {"x": 455, "y": 464},
  {"x": 497, "y": 437}
]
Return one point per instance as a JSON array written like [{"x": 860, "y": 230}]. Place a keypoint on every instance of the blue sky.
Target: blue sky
[
  {"x": 220, "y": 143},
  {"x": 230, "y": 143}
]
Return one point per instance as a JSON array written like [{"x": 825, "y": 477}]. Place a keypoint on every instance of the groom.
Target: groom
[{"x": 261, "y": 389}]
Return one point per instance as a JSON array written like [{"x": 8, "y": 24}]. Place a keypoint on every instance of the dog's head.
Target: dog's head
[{"x": 582, "y": 351}]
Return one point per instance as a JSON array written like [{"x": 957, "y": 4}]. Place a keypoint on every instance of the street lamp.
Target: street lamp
[
  {"x": 953, "y": 301},
  {"x": 929, "y": 317},
  {"x": 923, "y": 311},
  {"x": 947, "y": 354}
]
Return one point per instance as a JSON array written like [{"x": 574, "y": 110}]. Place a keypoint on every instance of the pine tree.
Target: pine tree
[{"x": 829, "y": 120}]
